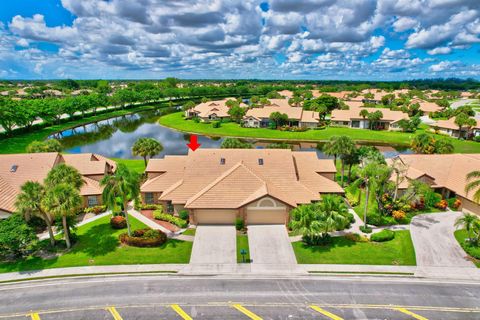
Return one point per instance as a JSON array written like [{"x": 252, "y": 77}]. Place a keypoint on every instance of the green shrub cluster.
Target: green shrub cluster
[
  {"x": 118, "y": 222},
  {"x": 382, "y": 236},
  {"x": 95, "y": 209},
  {"x": 365, "y": 229},
  {"x": 216, "y": 124},
  {"x": 317, "y": 239},
  {"x": 144, "y": 238},
  {"x": 183, "y": 214},
  {"x": 239, "y": 224},
  {"x": 157, "y": 214}
]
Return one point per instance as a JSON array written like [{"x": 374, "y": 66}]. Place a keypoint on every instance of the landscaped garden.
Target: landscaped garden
[
  {"x": 232, "y": 129},
  {"x": 242, "y": 244},
  {"x": 469, "y": 236},
  {"x": 353, "y": 250},
  {"x": 97, "y": 243}
]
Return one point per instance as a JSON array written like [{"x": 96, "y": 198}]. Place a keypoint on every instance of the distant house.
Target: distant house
[
  {"x": 446, "y": 173},
  {"x": 16, "y": 169},
  {"x": 338, "y": 95},
  {"x": 217, "y": 186},
  {"x": 427, "y": 107},
  {"x": 286, "y": 94},
  {"x": 211, "y": 110},
  {"x": 352, "y": 118},
  {"x": 260, "y": 117},
  {"x": 450, "y": 128}
]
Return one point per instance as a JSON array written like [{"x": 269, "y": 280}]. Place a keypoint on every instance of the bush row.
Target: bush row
[
  {"x": 157, "y": 214},
  {"x": 144, "y": 238},
  {"x": 382, "y": 236},
  {"x": 95, "y": 209}
]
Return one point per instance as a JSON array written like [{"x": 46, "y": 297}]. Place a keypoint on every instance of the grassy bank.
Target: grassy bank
[
  {"x": 474, "y": 252},
  {"x": 242, "y": 243},
  {"x": 176, "y": 121},
  {"x": 98, "y": 244},
  {"x": 399, "y": 251}
]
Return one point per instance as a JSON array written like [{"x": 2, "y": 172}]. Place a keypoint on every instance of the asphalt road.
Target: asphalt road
[{"x": 170, "y": 297}]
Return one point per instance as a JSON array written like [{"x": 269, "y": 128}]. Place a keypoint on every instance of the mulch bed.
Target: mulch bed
[{"x": 165, "y": 224}]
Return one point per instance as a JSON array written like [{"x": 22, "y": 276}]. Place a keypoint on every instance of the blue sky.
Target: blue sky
[{"x": 274, "y": 39}]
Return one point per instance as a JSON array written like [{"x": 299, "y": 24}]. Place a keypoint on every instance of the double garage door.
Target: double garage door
[{"x": 254, "y": 216}]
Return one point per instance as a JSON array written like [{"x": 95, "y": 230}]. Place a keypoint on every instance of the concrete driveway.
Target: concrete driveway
[
  {"x": 435, "y": 244},
  {"x": 270, "y": 245},
  {"x": 214, "y": 244}
]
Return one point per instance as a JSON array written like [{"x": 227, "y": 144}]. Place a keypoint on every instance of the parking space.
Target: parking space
[{"x": 227, "y": 311}]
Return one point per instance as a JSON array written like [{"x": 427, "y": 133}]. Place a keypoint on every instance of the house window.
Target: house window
[
  {"x": 222, "y": 161},
  {"x": 260, "y": 161},
  {"x": 92, "y": 201},
  {"x": 355, "y": 124},
  {"x": 149, "y": 198}
]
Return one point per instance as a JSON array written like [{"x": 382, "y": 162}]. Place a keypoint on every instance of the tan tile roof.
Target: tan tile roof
[
  {"x": 206, "y": 183},
  {"x": 354, "y": 104},
  {"x": 450, "y": 124},
  {"x": 282, "y": 106},
  {"x": 339, "y": 94},
  {"x": 35, "y": 167},
  {"x": 217, "y": 107},
  {"x": 286, "y": 93},
  {"x": 354, "y": 114},
  {"x": 448, "y": 170},
  {"x": 426, "y": 106}
]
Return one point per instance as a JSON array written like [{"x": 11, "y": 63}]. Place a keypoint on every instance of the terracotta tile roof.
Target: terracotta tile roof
[
  {"x": 217, "y": 107},
  {"x": 88, "y": 163},
  {"x": 354, "y": 114},
  {"x": 202, "y": 181},
  {"x": 447, "y": 170},
  {"x": 286, "y": 93},
  {"x": 426, "y": 106},
  {"x": 339, "y": 94},
  {"x": 450, "y": 124},
  {"x": 282, "y": 106}
]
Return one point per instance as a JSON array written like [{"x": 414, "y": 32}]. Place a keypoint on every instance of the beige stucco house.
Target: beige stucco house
[
  {"x": 217, "y": 186},
  {"x": 211, "y": 110},
  {"x": 351, "y": 118},
  {"x": 446, "y": 173},
  {"x": 449, "y": 127},
  {"x": 16, "y": 169}
]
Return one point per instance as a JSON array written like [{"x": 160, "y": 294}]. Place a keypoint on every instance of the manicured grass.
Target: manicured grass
[
  {"x": 137, "y": 165},
  {"x": 190, "y": 232},
  {"x": 242, "y": 243},
  {"x": 232, "y": 129},
  {"x": 399, "y": 251},
  {"x": 98, "y": 244},
  {"x": 474, "y": 252}
]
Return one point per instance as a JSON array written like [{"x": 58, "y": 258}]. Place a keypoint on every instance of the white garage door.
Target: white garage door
[
  {"x": 215, "y": 216},
  {"x": 266, "y": 216}
]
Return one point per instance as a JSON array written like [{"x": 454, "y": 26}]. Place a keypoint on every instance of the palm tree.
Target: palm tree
[
  {"x": 124, "y": 184},
  {"x": 63, "y": 200},
  {"x": 305, "y": 220},
  {"x": 345, "y": 147},
  {"x": 146, "y": 147},
  {"x": 399, "y": 168},
  {"x": 364, "y": 114},
  {"x": 333, "y": 213},
  {"x": 468, "y": 222},
  {"x": 63, "y": 173},
  {"x": 330, "y": 148},
  {"x": 423, "y": 143},
  {"x": 473, "y": 183},
  {"x": 365, "y": 178},
  {"x": 28, "y": 204}
]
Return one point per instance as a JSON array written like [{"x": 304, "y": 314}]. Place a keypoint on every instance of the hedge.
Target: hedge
[
  {"x": 144, "y": 238},
  {"x": 382, "y": 236},
  {"x": 157, "y": 214}
]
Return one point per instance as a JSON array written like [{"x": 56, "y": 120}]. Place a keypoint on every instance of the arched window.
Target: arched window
[{"x": 266, "y": 202}]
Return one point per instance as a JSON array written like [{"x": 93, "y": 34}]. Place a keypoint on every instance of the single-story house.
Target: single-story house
[
  {"x": 450, "y": 128},
  {"x": 16, "y": 169},
  {"x": 446, "y": 173},
  {"x": 352, "y": 118},
  {"x": 217, "y": 186},
  {"x": 211, "y": 110},
  {"x": 260, "y": 117},
  {"x": 427, "y": 107}
]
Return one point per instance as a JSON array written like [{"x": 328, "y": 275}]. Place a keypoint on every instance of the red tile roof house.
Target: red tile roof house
[
  {"x": 16, "y": 169},
  {"x": 446, "y": 173},
  {"x": 352, "y": 118},
  {"x": 449, "y": 127},
  {"x": 260, "y": 117},
  {"x": 211, "y": 110},
  {"x": 217, "y": 186}
]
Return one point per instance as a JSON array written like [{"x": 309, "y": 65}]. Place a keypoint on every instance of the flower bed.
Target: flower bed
[
  {"x": 144, "y": 238},
  {"x": 95, "y": 209},
  {"x": 118, "y": 222},
  {"x": 157, "y": 214}
]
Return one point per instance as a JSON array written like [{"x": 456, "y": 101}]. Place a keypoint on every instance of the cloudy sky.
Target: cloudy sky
[{"x": 267, "y": 39}]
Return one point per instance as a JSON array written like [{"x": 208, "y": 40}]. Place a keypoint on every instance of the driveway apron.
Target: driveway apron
[{"x": 214, "y": 244}]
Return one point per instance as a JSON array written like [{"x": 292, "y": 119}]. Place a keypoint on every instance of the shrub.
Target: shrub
[
  {"x": 476, "y": 138},
  {"x": 196, "y": 120},
  {"x": 382, "y": 236},
  {"x": 239, "y": 224},
  {"x": 398, "y": 215},
  {"x": 183, "y": 214},
  {"x": 365, "y": 229},
  {"x": 317, "y": 239},
  {"x": 442, "y": 205},
  {"x": 356, "y": 237},
  {"x": 157, "y": 214},
  {"x": 95, "y": 209},
  {"x": 352, "y": 199},
  {"x": 144, "y": 238},
  {"x": 151, "y": 207},
  {"x": 454, "y": 203},
  {"x": 216, "y": 124},
  {"x": 118, "y": 222}
]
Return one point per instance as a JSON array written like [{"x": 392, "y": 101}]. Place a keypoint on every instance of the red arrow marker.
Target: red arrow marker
[{"x": 194, "y": 145}]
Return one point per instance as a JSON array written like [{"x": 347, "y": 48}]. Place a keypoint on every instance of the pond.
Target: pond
[{"x": 114, "y": 138}]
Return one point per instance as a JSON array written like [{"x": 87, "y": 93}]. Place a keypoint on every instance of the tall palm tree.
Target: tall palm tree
[
  {"x": 400, "y": 169},
  {"x": 123, "y": 184},
  {"x": 345, "y": 147},
  {"x": 473, "y": 184},
  {"x": 467, "y": 221},
  {"x": 333, "y": 213},
  {"x": 330, "y": 148},
  {"x": 365, "y": 178},
  {"x": 28, "y": 204},
  {"x": 63, "y": 201},
  {"x": 63, "y": 173},
  {"x": 146, "y": 147}
]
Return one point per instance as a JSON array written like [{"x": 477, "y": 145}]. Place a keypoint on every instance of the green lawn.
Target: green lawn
[
  {"x": 242, "y": 243},
  {"x": 98, "y": 244},
  {"x": 461, "y": 235},
  {"x": 176, "y": 121},
  {"x": 399, "y": 251},
  {"x": 190, "y": 232},
  {"x": 137, "y": 165}
]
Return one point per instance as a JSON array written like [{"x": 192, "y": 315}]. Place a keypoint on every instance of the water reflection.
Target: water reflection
[{"x": 114, "y": 138}]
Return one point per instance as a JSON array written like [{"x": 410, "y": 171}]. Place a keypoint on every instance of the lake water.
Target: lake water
[{"x": 114, "y": 138}]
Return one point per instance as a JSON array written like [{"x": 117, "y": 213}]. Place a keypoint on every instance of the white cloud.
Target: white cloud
[
  {"x": 404, "y": 24},
  {"x": 440, "y": 50}
]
